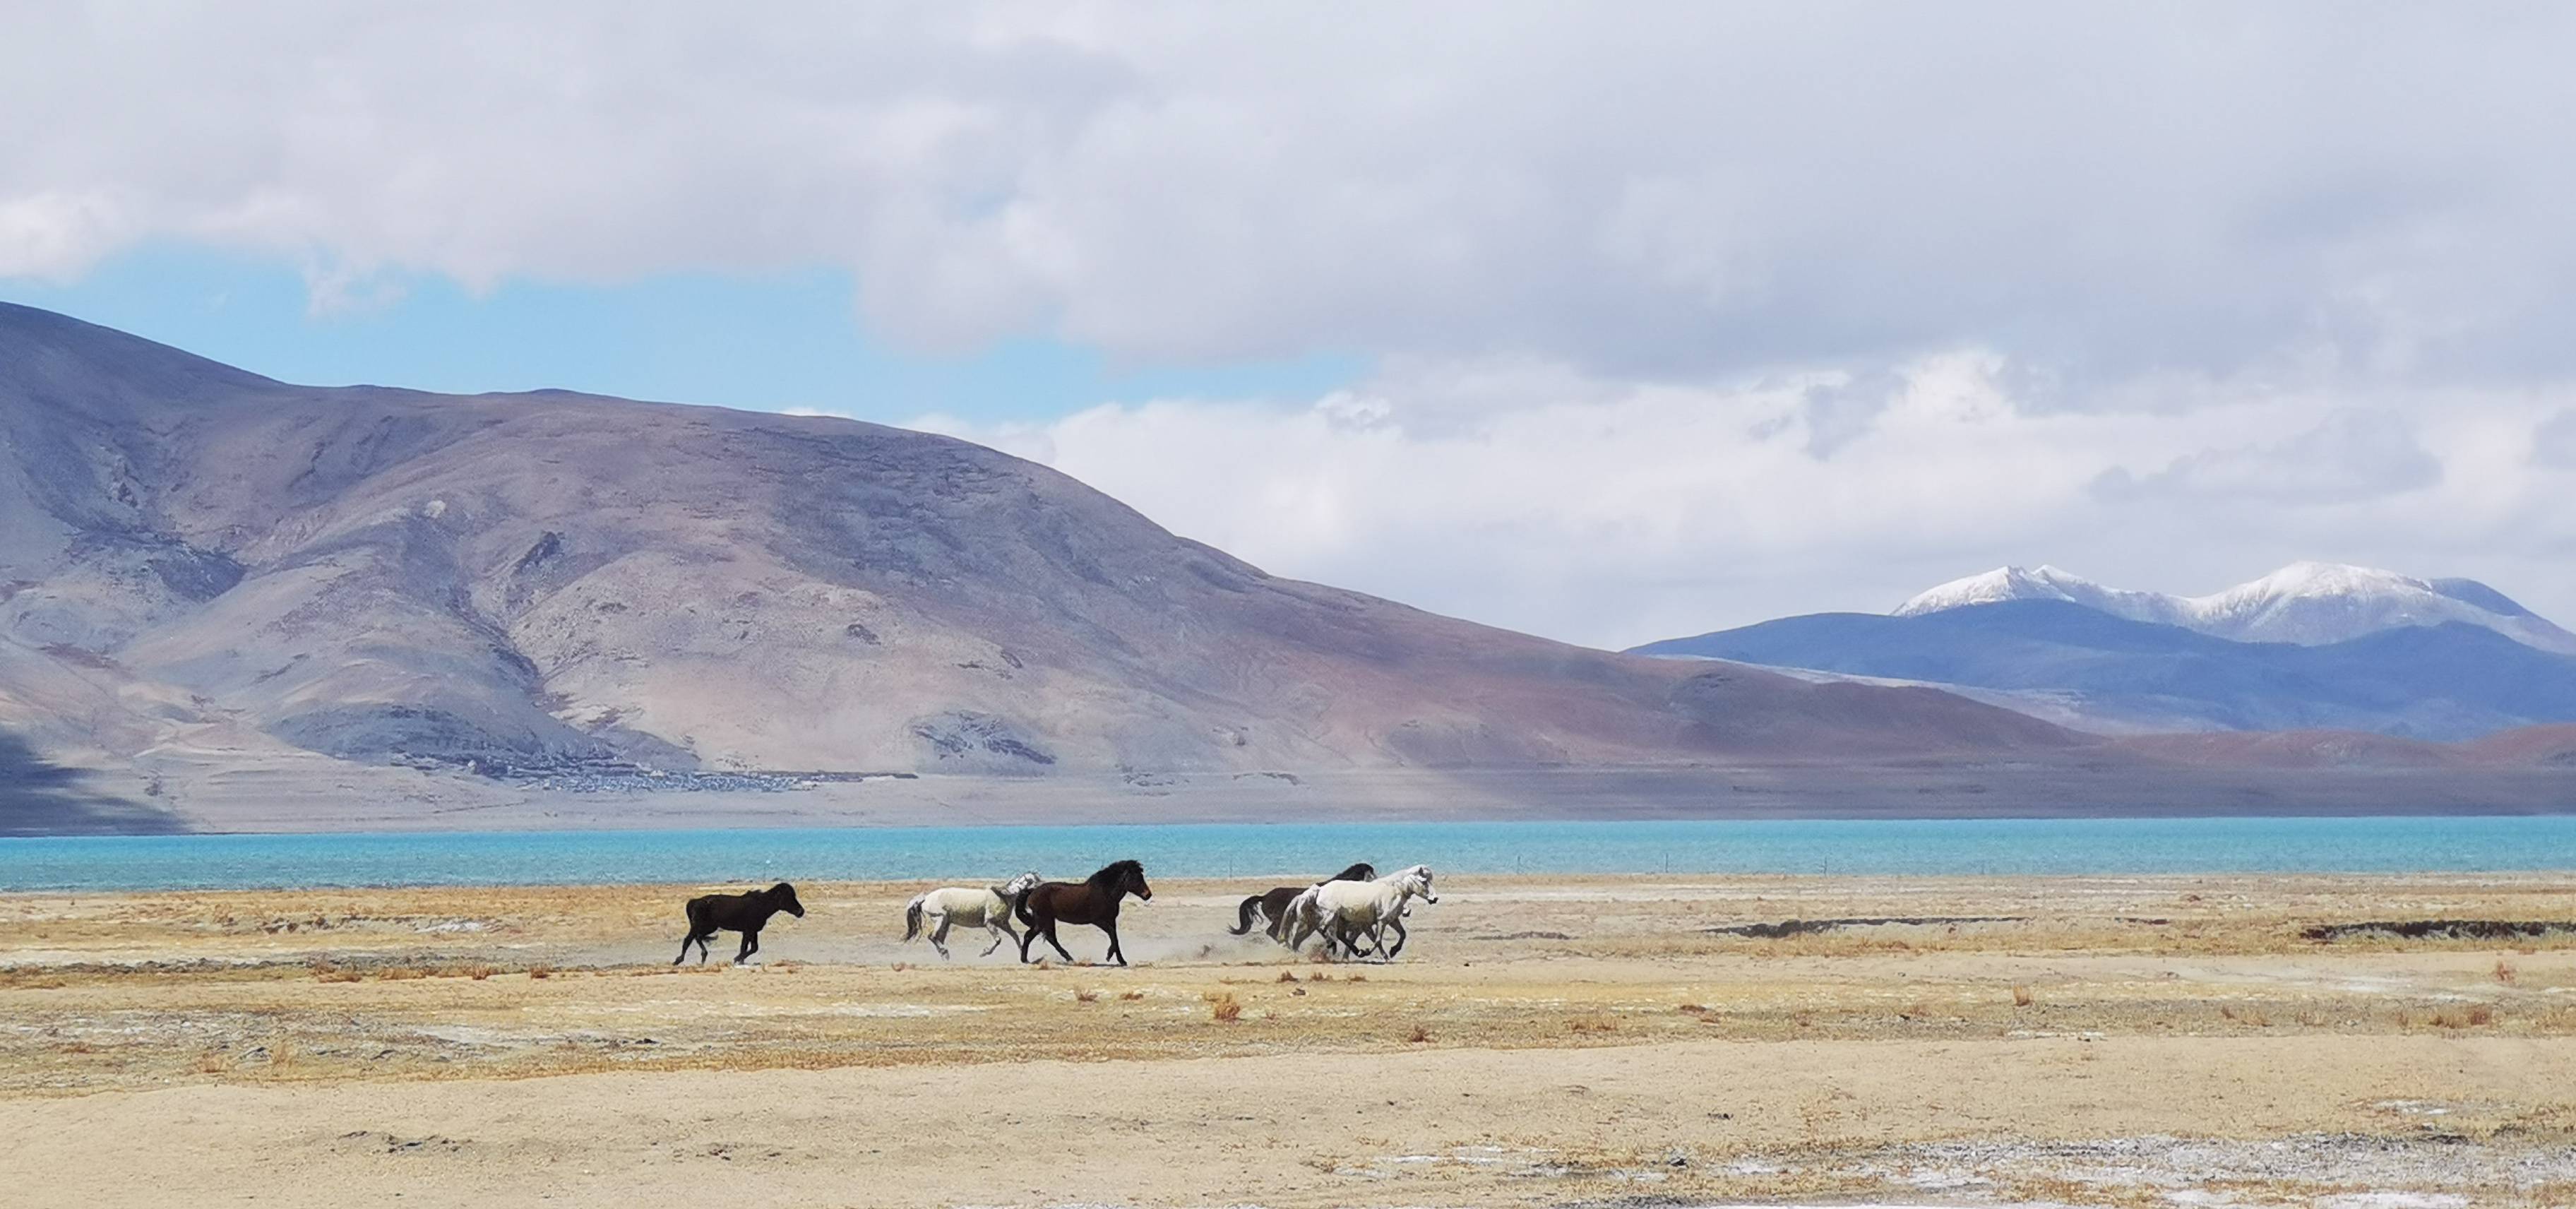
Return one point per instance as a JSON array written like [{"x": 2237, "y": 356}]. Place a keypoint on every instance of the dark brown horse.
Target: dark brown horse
[
  {"x": 744, "y": 913},
  {"x": 1094, "y": 901},
  {"x": 1269, "y": 903}
]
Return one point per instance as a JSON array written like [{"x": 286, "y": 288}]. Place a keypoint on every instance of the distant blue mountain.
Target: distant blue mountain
[{"x": 2082, "y": 666}]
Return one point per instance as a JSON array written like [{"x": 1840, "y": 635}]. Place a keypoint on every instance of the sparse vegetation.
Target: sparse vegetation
[
  {"x": 2022, "y": 996},
  {"x": 1226, "y": 1010}
]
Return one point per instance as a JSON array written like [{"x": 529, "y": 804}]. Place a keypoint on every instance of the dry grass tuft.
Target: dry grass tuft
[
  {"x": 1592, "y": 1024},
  {"x": 1287, "y": 975},
  {"x": 2505, "y": 973},
  {"x": 541, "y": 971},
  {"x": 1355, "y": 976},
  {"x": 480, "y": 972},
  {"x": 2477, "y": 1016},
  {"x": 1226, "y": 1011},
  {"x": 1086, "y": 995},
  {"x": 2022, "y": 997},
  {"x": 401, "y": 974},
  {"x": 1131, "y": 996},
  {"x": 1694, "y": 1009},
  {"x": 324, "y": 971},
  {"x": 1420, "y": 1035}
]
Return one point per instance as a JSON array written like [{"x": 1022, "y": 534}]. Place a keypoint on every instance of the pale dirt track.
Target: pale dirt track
[{"x": 1547, "y": 1041}]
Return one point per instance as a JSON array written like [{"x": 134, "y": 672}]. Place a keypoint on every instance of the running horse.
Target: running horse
[
  {"x": 986, "y": 907},
  {"x": 1343, "y": 911},
  {"x": 1272, "y": 904},
  {"x": 1093, "y": 900},
  {"x": 744, "y": 913}
]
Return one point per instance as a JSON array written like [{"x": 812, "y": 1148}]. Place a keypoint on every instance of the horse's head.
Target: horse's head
[
  {"x": 1418, "y": 881},
  {"x": 1022, "y": 884},
  {"x": 1124, "y": 877},
  {"x": 783, "y": 897}
]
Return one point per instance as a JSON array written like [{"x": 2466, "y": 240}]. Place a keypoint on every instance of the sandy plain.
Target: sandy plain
[{"x": 1636, "y": 1041}]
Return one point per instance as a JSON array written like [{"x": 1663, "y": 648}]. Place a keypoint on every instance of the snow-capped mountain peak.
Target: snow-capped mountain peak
[
  {"x": 2041, "y": 583},
  {"x": 2309, "y": 603}
]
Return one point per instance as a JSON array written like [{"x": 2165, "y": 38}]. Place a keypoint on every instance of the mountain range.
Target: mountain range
[
  {"x": 2313, "y": 645},
  {"x": 229, "y": 602}
]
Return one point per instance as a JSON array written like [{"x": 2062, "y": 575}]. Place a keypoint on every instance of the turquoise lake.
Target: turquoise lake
[{"x": 1950, "y": 846}]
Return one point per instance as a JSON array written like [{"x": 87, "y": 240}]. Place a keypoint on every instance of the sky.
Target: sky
[{"x": 1610, "y": 323}]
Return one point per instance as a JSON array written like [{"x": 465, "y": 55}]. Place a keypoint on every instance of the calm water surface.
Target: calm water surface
[{"x": 1949, "y": 846}]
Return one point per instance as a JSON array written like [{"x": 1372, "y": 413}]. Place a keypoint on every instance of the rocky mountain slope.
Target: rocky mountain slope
[{"x": 201, "y": 568}]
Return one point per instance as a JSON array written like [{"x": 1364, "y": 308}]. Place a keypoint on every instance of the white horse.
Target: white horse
[
  {"x": 1342, "y": 910},
  {"x": 986, "y": 907}
]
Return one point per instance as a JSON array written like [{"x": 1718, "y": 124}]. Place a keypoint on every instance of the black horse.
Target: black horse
[
  {"x": 1270, "y": 903},
  {"x": 744, "y": 913},
  {"x": 1094, "y": 901}
]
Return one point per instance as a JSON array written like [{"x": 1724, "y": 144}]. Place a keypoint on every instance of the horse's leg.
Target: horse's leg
[
  {"x": 684, "y": 948},
  {"x": 1001, "y": 930},
  {"x": 1295, "y": 926},
  {"x": 1110, "y": 926},
  {"x": 1048, "y": 922},
  {"x": 750, "y": 945},
  {"x": 1396, "y": 923},
  {"x": 939, "y": 937}
]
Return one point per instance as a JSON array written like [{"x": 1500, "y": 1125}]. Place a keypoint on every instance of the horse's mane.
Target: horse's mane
[
  {"x": 1360, "y": 871},
  {"x": 1002, "y": 888},
  {"x": 1111, "y": 872},
  {"x": 782, "y": 888}
]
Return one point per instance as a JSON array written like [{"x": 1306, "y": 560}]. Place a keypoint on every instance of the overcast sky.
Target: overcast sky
[{"x": 1610, "y": 322}]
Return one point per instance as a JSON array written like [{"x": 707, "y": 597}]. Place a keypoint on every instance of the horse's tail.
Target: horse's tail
[
  {"x": 1244, "y": 913},
  {"x": 912, "y": 917},
  {"x": 1020, "y": 908}
]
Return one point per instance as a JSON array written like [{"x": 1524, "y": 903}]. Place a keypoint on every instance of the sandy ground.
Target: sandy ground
[{"x": 1550, "y": 1041}]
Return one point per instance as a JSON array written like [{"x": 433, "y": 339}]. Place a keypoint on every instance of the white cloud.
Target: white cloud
[
  {"x": 1654, "y": 191},
  {"x": 2351, "y": 455},
  {"x": 1618, "y": 513},
  {"x": 2554, "y": 442}
]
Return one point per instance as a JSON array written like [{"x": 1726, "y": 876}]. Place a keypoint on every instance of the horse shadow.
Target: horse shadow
[{"x": 40, "y": 797}]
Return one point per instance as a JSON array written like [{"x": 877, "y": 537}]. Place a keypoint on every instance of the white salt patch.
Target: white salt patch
[{"x": 2394, "y": 1200}]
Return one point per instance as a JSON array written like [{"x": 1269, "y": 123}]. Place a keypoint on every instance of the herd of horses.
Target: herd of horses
[{"x": 1352, "y": 911}]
